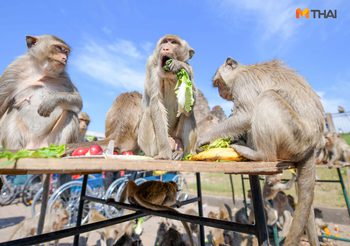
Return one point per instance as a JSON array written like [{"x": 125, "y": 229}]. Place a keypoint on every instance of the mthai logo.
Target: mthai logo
[{"x": 316, "y": 13}]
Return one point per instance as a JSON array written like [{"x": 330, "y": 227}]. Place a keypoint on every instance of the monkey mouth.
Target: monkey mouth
[{"x": 164, "y": 60}]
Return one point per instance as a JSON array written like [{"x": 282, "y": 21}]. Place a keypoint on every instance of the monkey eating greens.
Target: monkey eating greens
[{"x": 283, "y": 120}]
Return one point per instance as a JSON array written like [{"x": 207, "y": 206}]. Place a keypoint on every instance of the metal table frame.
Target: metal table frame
[{"x": 259, "y": 229}]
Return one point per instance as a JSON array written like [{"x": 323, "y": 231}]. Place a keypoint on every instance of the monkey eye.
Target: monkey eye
[{"x": 174, "y": 41}]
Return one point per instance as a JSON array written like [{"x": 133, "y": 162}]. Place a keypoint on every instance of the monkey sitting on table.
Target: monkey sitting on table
[
  {"x": 283, "y": 119},
  {"x": 154, "y": 195},
  {"x": 160, "y": 118},
  {"x": 39, "y": 103}
]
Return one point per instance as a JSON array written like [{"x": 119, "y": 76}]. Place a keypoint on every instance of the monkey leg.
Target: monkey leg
[
  {"x": 248, "y": 153},
  {"x": 147, "y": 136},
  {"x": 303, "y": 215},
  {"x": 66, "y": 129}
]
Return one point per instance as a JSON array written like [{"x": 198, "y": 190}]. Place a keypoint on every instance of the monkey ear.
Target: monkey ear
[
  {"x": 31, "y": 41},
  {"x": 191, "y": 52},
  {"x": 231, "y": 62}
]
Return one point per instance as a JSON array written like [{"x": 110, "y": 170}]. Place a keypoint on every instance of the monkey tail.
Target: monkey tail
[
  {"x": 156, "y": 207},
  {"x": 304, "y": 209}
]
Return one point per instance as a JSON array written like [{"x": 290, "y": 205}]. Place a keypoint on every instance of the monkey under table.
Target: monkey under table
[{"x": 93, "y": 165}]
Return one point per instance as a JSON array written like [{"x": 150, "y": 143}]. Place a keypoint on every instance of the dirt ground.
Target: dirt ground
[{"x": 337, "y": 219}]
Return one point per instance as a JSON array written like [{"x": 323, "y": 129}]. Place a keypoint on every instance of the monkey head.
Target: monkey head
[
  {"x": 50, "y": 52},
  {"x": 223, "y": 78},
  {"x": 173, "y": 47},
  {"x": 330, "y": 138},
  {"x": 84, "y": 121}
]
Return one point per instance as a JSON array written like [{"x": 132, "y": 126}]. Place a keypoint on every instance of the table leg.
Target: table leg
[
  {"x": 200, "y": 209},
  {"x": 258, "y": 205},
  {"x": 81, "y": 208}
]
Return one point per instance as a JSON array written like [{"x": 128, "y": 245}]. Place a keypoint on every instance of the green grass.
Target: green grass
[
  {"x": 326, "y": 194},
  {"x": 346, "y": 137}
]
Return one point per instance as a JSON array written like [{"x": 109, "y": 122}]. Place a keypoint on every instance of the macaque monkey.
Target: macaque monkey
[
  {"x": 284, "y": 119},
  {"x": 39, "y": 103},
  {"x": 273, "y": 184},
  {"x": 337, "y": 148},
  {"x": 57, "y": 218},
  {"x": 285, "y": 213},
  {"x": 84, "y": 121},
  {"x": 218, "y": 112},
  {"x": 159, "y": 118},
  {"x": 108, "y": 235},
  {"x": 154, "y": 195},
  {"x": 122, "y": 124},
  {"x": 122, "y": 121},
  {"x": 172, "y": 238}
]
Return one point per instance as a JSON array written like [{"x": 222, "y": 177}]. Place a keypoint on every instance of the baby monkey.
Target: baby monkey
[{"x": 154, "y": 195}]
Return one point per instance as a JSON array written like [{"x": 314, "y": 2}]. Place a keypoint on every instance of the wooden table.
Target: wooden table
[{"x": 94, "y": 165}]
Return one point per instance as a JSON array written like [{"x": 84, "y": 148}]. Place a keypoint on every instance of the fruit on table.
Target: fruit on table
[
  {"x": 80, "y": 151},
  {"x": 215, "y": 154},
  {"x": 127, "y": 153},
  {"x": 95, "y": 149}
]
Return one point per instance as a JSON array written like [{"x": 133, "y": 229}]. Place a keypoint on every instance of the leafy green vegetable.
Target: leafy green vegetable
[
  {"x": 218, "y": 143},
  {"x": 183, "y": 89},
  {"x": 53, "y": 151},
  {"x": 187, "y": 157}
]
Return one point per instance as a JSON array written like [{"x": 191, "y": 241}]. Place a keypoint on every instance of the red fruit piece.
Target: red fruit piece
[
  {"x": 80, "y": 151},
  {"x": 127, "y": 153},
  {"x": 95, "y": 150}
]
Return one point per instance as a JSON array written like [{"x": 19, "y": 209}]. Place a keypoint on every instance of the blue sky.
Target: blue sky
[{"x": 111, "y": 41}]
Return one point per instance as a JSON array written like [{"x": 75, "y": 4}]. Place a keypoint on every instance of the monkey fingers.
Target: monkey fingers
[
  {"x": 177, "y": 155},
  {"x": 45, "y": 109}
]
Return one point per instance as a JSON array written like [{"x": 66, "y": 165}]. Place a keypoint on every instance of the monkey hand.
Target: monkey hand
[
  {"x": 176, "y": 65},
  {"x": 177, "y": 155},
  {"x": 164, "y": 155},
  {"x": 200, "y": 142},
  {"x": 46, "y": 108}
]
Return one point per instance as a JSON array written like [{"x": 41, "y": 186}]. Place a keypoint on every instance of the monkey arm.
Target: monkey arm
[
  {"x": 232, "y": 127},
  {"x": 6, "y": 90},
  {"x": 67, "y": 101},
  {"x": 176, "y": 65}
]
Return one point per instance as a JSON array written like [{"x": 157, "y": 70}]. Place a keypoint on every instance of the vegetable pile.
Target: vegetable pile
[
  {"x": 183, "y": 89},
  {"x": 53, "y": 151},
  {"x": 219, "y": 150}
]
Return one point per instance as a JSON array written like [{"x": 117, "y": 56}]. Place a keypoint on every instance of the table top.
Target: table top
[{"x": 98, "y": 165}]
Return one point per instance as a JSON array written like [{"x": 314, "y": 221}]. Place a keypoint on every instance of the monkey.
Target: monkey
[
  {"x": 201, "y": 109},
  {"x": 39, "y": 103},
  {"x": 58, "y": 217},
  {"x": 122, "y": 121},
  {"x": 285, "y": 211},
  {"x": 154, "y": 195},
  {"x": 337, "y": 148},
  {"x": 218, "y": 112},
  {"x": 285, "y": 121},
  {"x": 273, "y": 184},
  {"x": 159, "y": 118},
  {"x": 108, "y": 235},
  {"x": 84, "y": 121},
  {"x": 172, "y": 238},
  {"x": 121, "y": 124},
  {"x": 341, "y": 109}
]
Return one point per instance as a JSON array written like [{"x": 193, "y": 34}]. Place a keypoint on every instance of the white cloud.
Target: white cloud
[
  {"x": 120, "y": 64},
  {"x": 273, "y": 18}
]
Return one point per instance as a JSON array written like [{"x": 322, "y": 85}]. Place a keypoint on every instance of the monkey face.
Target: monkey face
[
  {"x": 172, "y": 47},
  {"x": 50, "y": 51}
]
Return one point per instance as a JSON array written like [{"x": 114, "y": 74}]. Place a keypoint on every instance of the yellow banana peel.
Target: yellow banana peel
[{"x": 218, "y": 154}]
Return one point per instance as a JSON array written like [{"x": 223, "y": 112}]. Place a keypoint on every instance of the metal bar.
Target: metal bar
[
  {"x": 200, "y": 209},
  {"x": 226, "y": 225},
  {"x": 258, "y": 204},
  {"x": 317, "y": 180},
  {"x": 344, "y": 190},
  {"x": 81, "y": 208},
  {"x": 71, "y": 231},
  {"x": 244, "y": 197},
  {"x": 233, "y": 191},
  {"x": 336, "y": 238},
  {"x": 43, "y": 208},
  {"x": 275, "y": 235}
]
